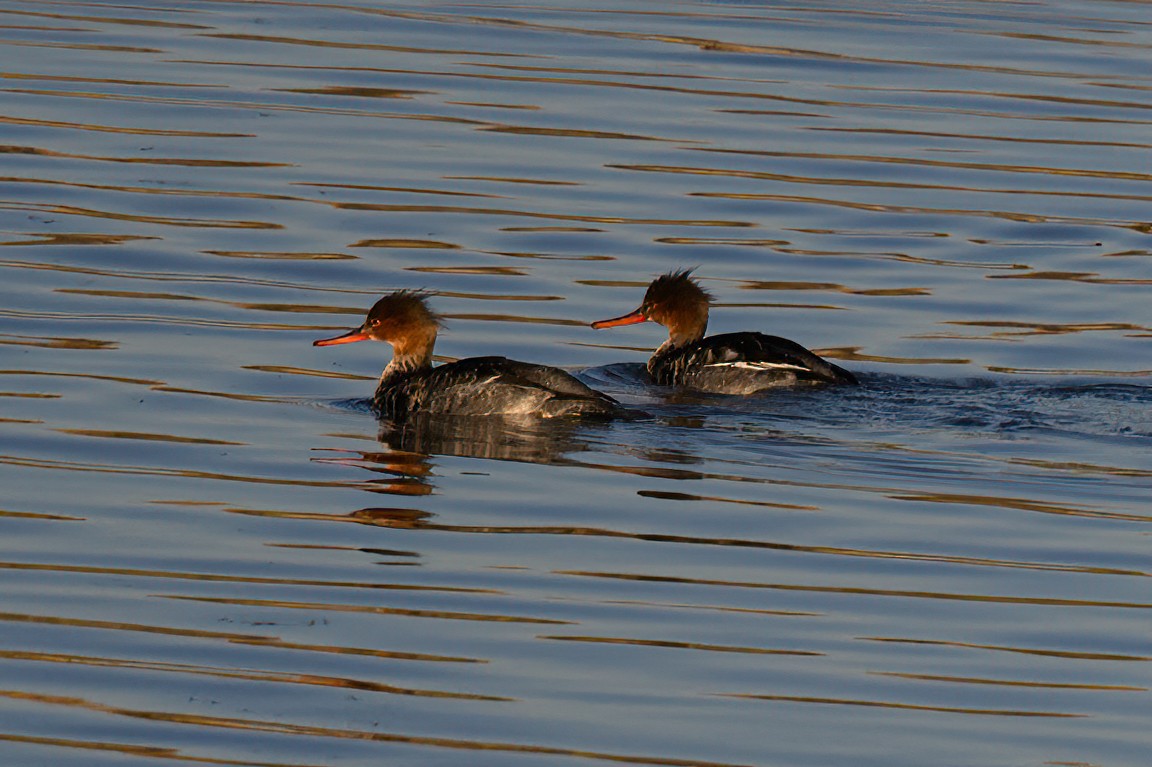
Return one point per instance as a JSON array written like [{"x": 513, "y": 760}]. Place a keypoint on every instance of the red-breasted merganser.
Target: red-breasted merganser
[
  {"x": 475, "y": 386},
  {"x": 730, "y": 363}
]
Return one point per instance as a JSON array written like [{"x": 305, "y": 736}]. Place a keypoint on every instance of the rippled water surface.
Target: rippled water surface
[{"x": 214, "y": 554}]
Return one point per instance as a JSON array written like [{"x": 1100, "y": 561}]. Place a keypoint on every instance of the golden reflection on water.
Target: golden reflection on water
[
  {"x": 404, "y": 244},
  {"x": 854, "y": 353},
  {"x": 33, "y": 515},
  {"x": 501, "y": 271},
  {"x": 85, "y": 344},
  {"x": 221, "y": 578},
  {"x": 1088, "y": 277},
  {"x": 715, "y": 608},
  {"x": 163, "y": 471},
  {"x": 976, "y": 137},
  {"x": 1028, "y": 329},
  {"x": 281, "y": 255},
  {"x": 76, "y": 238},
  {"x": 129, "y": 749},
  {"x": 847, "y": 177},
  {"x": 516, "y": 318},
  {"x": 113, "y": 20},
  {"x": 908, "y": 706},
  {"x": 148, "y": 190},
  {"x": 286, "y": 728},
  {"x": 1069, "y": 654},
  {"x": 1141, "y": 373},
  {"x": 236, "y": 638},
  {"x": 375, "y": 610},
  {"x": 827, "y": 286},
  {"x": 412, "y": 471},
  {"x": 147, "y": 437},
  {"x": 893, "y": 493},
  {"x": 209, "y": 223},
  {"x": 385, "y": 208},
  {"x": 922, "y": 162},
  {"x": 664, "y": 643},
  {"x": 1020, "y": 504},
  {"x": 368, "y": 93},
  {"x": 855, "y": 590},
  {"x": 312, "y": 42},
  {"x": 672, "y": 496},
  {"x": 1010, "y": 682},
  {"x": 311, "y": 372},
  {"x": 9, "y": 120},
  {"x": 87, "y": 376},
  {"x": 533, "y": 182},
  {"x": 149, "y": 160},
  {"x": 255, "y": 675}
]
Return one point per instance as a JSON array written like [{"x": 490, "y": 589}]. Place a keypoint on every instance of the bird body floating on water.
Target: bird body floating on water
[
  {"x": 729, "y": 363},
  {"x": 474, "y": 386}
]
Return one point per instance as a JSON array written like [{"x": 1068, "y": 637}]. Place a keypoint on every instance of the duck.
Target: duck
[
  {"x": 477, "y": 386},
  {"x": 728, "y": 363}
]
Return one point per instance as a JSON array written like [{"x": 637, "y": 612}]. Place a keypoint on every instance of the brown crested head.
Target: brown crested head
[
  {"x": 401, "y": 319},
  {"x": 400, "y": 315},
  {"x": 675, "y": 294},
  {"x": 676, "y": 301}
]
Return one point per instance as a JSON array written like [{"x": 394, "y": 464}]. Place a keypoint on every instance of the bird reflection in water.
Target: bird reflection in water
[
  {"x": 410, "y": 444},
  {"x": 404, "y": 519},
  {"x": 413, "y": 442},
  {"x": 502, "y": 438}
]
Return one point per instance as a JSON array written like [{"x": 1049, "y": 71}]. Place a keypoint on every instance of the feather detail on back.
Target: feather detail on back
[
  {"x": 742, "y": 363},
  {"x": 491, "y": 386}
]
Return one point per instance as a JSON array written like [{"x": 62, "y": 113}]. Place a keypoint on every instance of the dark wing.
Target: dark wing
[
  {"x": 769, "y": 352},
  {"x": 550, "y": 378},
  {"x": 493, "y": 385}
]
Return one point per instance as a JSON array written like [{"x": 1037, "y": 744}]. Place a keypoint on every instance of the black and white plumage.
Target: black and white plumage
[
  {"x": 730, "y": 363},
  {"x": 475, "y": 386},
  {"x": 742, "y": 363},
  {"x": 489, "y": 386}
]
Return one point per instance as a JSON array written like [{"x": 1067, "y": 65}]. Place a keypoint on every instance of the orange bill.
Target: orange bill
[
  {"x": 351, "y": 336},
  {"x": 628, "y": 319}
]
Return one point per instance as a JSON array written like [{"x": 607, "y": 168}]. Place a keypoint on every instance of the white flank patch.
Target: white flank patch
[{"x": 746, "y": 365}]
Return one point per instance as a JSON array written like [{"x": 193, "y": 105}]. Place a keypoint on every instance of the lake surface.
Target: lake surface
[{"x": 214, "y": 554}]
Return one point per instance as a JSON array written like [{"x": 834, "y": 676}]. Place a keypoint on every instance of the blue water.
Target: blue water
[{"x": 214, "y": 553}]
